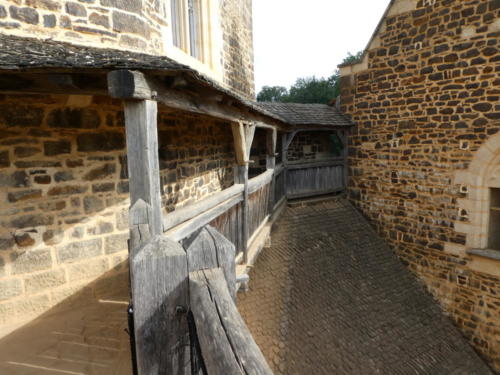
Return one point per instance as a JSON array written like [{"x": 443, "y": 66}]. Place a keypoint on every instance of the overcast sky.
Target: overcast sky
[{"x": 294, "y": 38}]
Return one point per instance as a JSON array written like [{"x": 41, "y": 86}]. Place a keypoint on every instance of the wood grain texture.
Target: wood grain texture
[
  {"x": 186, "y": 213},
  {"x": 314, "y": 181},
  {"x": 208, "y": 248},
  {"x": 142, "y": 158},
  {"x": 159, "y": 281},
  {"x": 226, "y": 344}
]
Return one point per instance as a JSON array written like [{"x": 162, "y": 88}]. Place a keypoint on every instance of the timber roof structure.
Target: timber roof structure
[
  {"x": 307, "y": 114},
  {"x": 21, "y": 54}
]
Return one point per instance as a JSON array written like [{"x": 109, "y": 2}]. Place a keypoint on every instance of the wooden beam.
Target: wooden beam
[
  {"x": 271, "y": 137},
  {"x": 241, "y": 177},
  {"x": 159, "y": 283},
  {"x": 142, "y": 158},
  {"x": 249, "y": 135},
  {"x": 259, "y": 181},
  {"x": 184, "y": 214},
  {"x": 226, "y": 343},
  {"x": 240, "y": 144},
  {"x": 185, "y": 229},
  {"x": 345, "y": 153}
]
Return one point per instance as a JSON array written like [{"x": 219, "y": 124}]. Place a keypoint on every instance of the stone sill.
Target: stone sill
[{"x": 485, "y": 253}]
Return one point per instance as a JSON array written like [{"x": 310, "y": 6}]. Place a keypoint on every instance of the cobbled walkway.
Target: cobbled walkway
[{"x": 329, "y": 297}]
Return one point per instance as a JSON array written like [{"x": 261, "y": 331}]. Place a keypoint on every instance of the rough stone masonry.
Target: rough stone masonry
[
  {"x": 64, "y": 191},
  {"x": 426, "y": 103}
]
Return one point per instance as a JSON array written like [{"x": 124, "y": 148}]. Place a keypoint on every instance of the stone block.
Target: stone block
[
  {"x": 2, "y": 267},
  {"x": 79, "y": 250},
  {"x": 23, "y": 308},
  {"x": 27, "y": 221},
  {"x": 63, "y": 176},
  {"x": 7, "y": 242},
  {"x": 53, "y": 236},
  {"x": 67, "y": 190},
  {"x": 49, "y": 20},
  {"x": 133, "y": 6},
  {"x": 52, "y": 148},
  {"x": 99, "y": 19},
  {"x": 4, "y": 159},
  {"x": 43, "y": 4},
  {"x": 44, "y": 280},
  {"x": 10, "y": 288},
  {"x": 20, "y": 115},
  {"x": 116, "y": 243},
  {"x": 107, "y": 141},
  {"x": 3, "y": 12},
  {"x": 75, "y": 9},
  {"x": 127, "y": 23},
  {"x": 31, "y": 261},
  {"x": 24, "y": 195},
  {"x": 25, "y": 152},
  {"x": 92, "y": 204},
  {"x": 28, "y": 15},
  {"x": 87, "y": 270},
  {"x": 24, "y": 239},
  {"x": 105, "y": 171},
  {"x": 74, "y": 118}
]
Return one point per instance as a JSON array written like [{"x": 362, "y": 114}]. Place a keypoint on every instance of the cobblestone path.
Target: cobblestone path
[{"x": 329, "y": 297}]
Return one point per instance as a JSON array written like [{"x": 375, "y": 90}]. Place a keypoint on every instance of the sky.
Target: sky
[{"x": 296, "y": 38}]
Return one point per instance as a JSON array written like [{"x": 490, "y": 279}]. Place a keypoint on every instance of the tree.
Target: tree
[
  {"x": 312, "y": 90},
  {"x": 272, "y": 94},
  {"x": 309, "y": 89}
]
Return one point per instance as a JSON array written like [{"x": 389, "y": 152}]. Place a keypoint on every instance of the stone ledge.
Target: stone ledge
[{"x": 485, "y": 253}]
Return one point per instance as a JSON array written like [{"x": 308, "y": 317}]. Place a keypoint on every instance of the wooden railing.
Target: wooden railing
[{"x": 315, "y": 178}]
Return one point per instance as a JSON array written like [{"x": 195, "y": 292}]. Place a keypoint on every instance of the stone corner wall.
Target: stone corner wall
[
  {"x": 237, "y": 54},
  {"x": 424, "y": 109}
]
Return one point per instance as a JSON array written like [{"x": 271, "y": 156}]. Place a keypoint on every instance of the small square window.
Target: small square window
[{"x": 494, "y": 230}]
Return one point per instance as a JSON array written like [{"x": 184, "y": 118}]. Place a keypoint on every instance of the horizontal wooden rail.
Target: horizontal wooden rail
[
  {"x": 185, "y": 213},
  {"x": 188, "y": 227},
  {"x": 261, "y": 180},
  {"x": 337, "y": 162},
  {"x": 279, "y": 169}
]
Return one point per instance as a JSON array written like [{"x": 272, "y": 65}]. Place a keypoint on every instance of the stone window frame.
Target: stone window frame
[
  {"x": 209, "y": 39},
  {"x": 482, "y": 175}
]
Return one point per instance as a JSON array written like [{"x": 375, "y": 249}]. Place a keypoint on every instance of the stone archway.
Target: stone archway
[{"x": 482, "y": 175}]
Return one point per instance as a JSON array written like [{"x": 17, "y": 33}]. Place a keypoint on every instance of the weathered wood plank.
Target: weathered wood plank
[
  {"x": 128, "y": 84},
  {"x": 259, "y": 181},
  {"x": 142, "y": 158},
  {"x": 159, "y": 281},
  {"x": 226, "y": 344},
  {"x": 139, "y": 218},
  {"x": 241, "y": 177},
  {"x": 183, "y": 214},
  {"x": 314, "y": 181},
  {"x": 240, "y": 145},
  {"x": 208, "y": 248},
  {"x": 185, "y": 229}
]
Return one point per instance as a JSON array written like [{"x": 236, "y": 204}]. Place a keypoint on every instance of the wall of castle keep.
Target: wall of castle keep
[
  {"x": 142, "y": 26},
  {"x": 64, "y": 191},
  {"x": 426, "y": 105}
]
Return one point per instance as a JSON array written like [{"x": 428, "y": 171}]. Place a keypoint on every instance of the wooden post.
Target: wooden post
[
  {"x": 243, "y": 136},
  {"x": 142, "y": 158},
  {"x": 284, "y": 150},
  {"x": 271, "y": 163},
  {"x": 161, "y": 298}
]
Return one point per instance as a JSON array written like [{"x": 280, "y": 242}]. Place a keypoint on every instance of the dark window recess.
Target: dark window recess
[{"x": 494, "y": 230}]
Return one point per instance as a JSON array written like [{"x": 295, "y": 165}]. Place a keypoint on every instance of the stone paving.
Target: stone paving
[
  {"x": 329, "y": 297},
  {"x": 84, "y": 335}
]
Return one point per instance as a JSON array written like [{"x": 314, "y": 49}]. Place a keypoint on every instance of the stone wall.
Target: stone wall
[
  {"x": 141, "y": 26},
  {"x": 64, "y": 191},
  {"x": 424, "y": 107},
  {"x": 237, "y": 55},
  {"x": 312, "y": 146}
]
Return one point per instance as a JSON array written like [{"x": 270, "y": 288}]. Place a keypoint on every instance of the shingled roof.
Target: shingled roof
[
  {"x": 306, "y": 114},
  {"x": 18, "y": 54}
]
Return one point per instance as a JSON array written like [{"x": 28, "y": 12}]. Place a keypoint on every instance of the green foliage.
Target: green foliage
[
  {"x": 272, "y": 94},
  {"x": 308, "y": 89}
]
